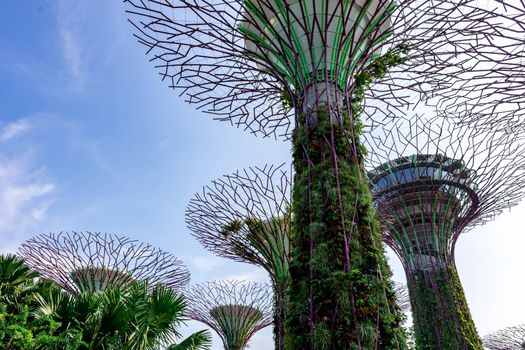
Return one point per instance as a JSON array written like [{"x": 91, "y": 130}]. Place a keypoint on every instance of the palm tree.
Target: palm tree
[
  {"x": 20, "y": 327},
  {"x": 128, "y": 319},
  {"x": 17, "y": 281}
]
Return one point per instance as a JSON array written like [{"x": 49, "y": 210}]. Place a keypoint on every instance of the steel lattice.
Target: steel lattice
[
  {"x": 483, "y": 173},
  {"x": 494, "y": 91},
  {"x": 253, "y": 71},
  {"x": 80, "y": 261},
  {"x": 234, "y": 309},
  {"x": 246, "y": 217},
  {"x": 510, "y": 338},
  {"x": 433, "y": 179}
]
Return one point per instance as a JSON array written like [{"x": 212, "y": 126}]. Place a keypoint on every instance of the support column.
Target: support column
[
  {"x": 442, "y": 319},
  {"x": 340, "y": 296}
]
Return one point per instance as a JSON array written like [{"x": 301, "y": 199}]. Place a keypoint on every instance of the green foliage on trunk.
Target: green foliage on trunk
[
  {"x": 338, "y": 263},
  {"x": 353, "y": 304},
  {"x": 441, "y": 315}
]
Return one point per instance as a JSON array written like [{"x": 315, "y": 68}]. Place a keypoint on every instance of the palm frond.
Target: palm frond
[{"x": 200, "y": 340}]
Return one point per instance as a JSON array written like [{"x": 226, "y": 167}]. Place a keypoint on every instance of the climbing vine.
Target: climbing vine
[
  {"x": 441, "y": 316},
  {"x": 346, "y": 300}
]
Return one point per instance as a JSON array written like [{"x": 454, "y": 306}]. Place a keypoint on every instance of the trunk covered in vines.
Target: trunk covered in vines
[
  {"x": 279, "y": 315},
  {"x": 441, "y": 315},
  {"x": 340, "y": 295}
]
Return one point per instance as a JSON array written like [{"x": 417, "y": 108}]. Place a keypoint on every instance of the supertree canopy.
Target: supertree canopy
[
  {"x": 301, "y": 69},
  {"x": 235, "y": 310},
  {"x": 432, "y": 180},
  {"x": 510, "y": 338},
  {"x": 245, "y": 216},
  {"x": 261, "y": 63},
  {"x": 85, "y": 261},
  {"x": 494, "y": 90}
]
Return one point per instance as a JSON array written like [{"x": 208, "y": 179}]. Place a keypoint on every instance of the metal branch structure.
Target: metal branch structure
[
  {"x": 301, "y": 69},
  {"x": 254, "y": 63},
  {"x": 85, "y": 261},
  {"x": 494, "y": 90},
  {"x": 481, "y": 84},
  {"x": 246, "y": 217},
  {"x": 510, "y": 338},
  {"x": 236, "y": 310},
  {"x": 432, "y": 180}
]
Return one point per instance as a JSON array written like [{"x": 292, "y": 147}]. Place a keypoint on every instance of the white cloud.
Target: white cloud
[
  {"x": 70, "y": 21},
  {"x": 68, "y": 72},
  {"x": 72, "y": 56},
  {"x": 13, "y": 129},
  {"x": 24, "y": 195},
  {"x": 39, "y": 212},
  {"x": 26, "y": 192},
  {"x": 206, "y": 263},
  {"x": 15, "y": 196},
  {"x": 255, "y": 275}
]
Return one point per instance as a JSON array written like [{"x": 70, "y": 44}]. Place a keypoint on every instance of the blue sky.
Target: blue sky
[{"x": 91, "y": 139}]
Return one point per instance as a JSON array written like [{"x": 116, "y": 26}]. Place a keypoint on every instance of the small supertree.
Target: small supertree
[
  {"x": 303, "y": 67},
  {"x": 235, "y": 310},
  {"x": 510, "y": 338},
  {"x": 245, "y": 216},
  {"x": 432, "y": 180},
  {"x": 403, "y": 299},
  {"x": 85, "y": 261}
]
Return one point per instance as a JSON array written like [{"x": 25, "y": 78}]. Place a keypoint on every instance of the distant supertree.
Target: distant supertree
[
  {"x": 235, "y": 310},
  {"x": 245, "y": 216},
  {"x": 403, "y": 299},
  {"x": 510, "y": 338},
  {"x": 303, "y": 67},
  {"x": 85, "y": 261},
  {"x": 432, "y": 180}
]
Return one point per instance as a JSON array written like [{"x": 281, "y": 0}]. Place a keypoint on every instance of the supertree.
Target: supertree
[
  {"x": 510, "y": 338},
  {"x": 403, "y": 299},
  {"x": 85, "y": 261},
  {"x": 433, "y": 179},
  {"x": 263, "y": 63},
  {"x": 236, "y": 310},
  {"x": 245, "y": 216}
]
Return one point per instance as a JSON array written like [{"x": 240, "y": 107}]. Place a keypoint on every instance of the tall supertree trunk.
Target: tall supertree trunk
[
  {"x": 441, "y": 315},
  {"x": 340, "y": 295},
  {"x": 279, "y": 316}
]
